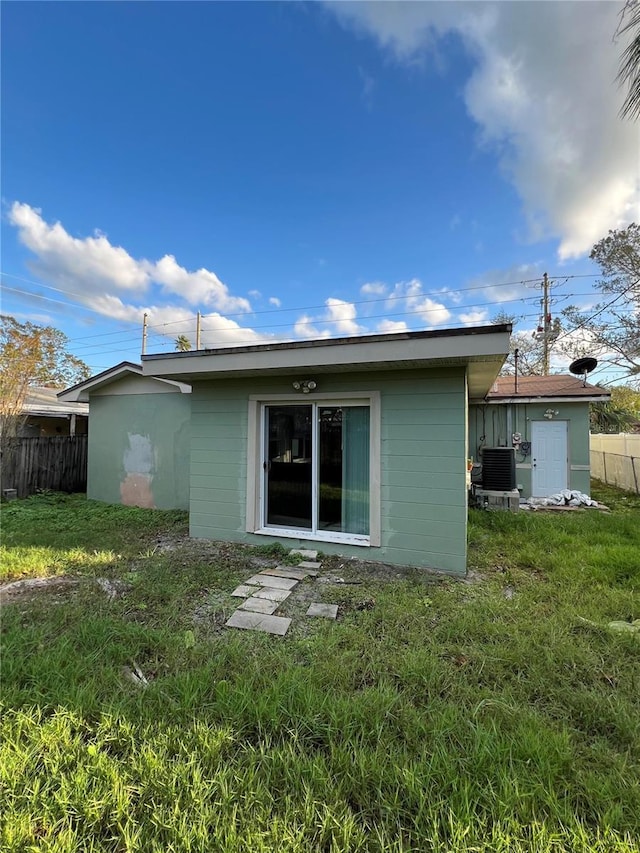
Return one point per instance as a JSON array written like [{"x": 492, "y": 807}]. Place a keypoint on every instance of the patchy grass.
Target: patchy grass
[{"x": 435, "y": 715}]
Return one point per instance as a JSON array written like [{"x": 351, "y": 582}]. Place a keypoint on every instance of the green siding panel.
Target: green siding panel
[
  {"x": 422, "y": 456},
  {"x": 488, "y": 427},
  {"x": 139, "y": 449}
]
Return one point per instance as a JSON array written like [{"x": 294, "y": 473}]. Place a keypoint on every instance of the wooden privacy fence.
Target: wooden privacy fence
[
  {"x": 615, "y": 459},
  {"x": 56, "y": 462}
]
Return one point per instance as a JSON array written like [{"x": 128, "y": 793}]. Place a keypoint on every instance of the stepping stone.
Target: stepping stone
[
  {"x": 260, "y": 605},
  {"x": 243, "y": 591},
  {"x": 271, "y": 594},
  {"x": 304, "y": 553},
  {"x": 330, "y": 611},
  {"x": 283, "y": 572},
  {"x": 259, "y": 622},
  {"x": 270, "y": 580},
  {"x": 311, "y": 565}
]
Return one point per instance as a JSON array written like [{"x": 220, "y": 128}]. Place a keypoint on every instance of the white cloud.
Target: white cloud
[
  {"x": 339, "y": 319},
  {"x": 473, "y": 317},
  {"x": 373, "y": 288},
  {"x": 85, "y": 268},
  {"x": 92, "y": 273},
  {"x": 342, "y": 316},
  {"x": 544, "y": 96},
  {"x": 304, "y": 328},
  {"x": 255, "y": 294},
  {"x": 387, "y": 326},
  {"x": 73, "y": 263},
  {"x": 273, "y": 300},
  {"x": 197, "y": 288},
  {"x": 408, "y": 296}
]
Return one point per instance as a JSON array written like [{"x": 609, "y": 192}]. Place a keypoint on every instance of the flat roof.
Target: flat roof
[{"x": 482, "y": 349}]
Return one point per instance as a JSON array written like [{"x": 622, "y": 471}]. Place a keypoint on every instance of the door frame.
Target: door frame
[
  {"x": 255, "y": 504},
  {"x": 534, "y": 468}
]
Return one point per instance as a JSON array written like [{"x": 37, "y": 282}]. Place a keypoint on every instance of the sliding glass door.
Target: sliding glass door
[
  {"x": 316, "y": 468},
  {"x": 288, "y": 466}
]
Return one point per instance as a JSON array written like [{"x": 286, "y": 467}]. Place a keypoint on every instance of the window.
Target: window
[{"x": 315, "y": 463}]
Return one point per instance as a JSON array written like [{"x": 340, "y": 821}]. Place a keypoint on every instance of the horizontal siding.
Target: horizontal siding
[
  {"x": 433, "y": 416},
  {"x": 422, "y": 454},
  {"x": 392, "y": 447},
  {"x": 420, "y": 480},
  {"x": 213, "y": 456},
  {"x": 234, "y": 445},
  {"x": 444, "y": 514}
]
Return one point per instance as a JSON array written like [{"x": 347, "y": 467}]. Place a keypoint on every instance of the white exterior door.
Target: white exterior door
[{"x": 549, "y": 460}]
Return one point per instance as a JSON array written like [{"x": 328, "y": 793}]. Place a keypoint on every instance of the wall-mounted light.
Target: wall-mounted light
[
  {"x": 305, "y": 385},
  {"x": 549, "y": 414}
]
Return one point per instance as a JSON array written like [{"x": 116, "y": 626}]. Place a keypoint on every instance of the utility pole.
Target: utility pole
[
  {"x": 547, "y": 331},
  {"x": 198, "y": 322},
  {"x": 546, "y": 325},
  {"x": 144, "y": 334}
]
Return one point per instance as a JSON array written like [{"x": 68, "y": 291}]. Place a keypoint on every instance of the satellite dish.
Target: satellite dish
[{"x": 583, "y": 366}]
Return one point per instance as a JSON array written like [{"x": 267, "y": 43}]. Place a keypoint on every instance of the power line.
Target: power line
[{"x": 307, "y": 307}]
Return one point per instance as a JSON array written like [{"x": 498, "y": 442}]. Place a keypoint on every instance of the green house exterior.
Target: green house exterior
[
  {"x": 139, "y": 438},
  {"x": 354, "y": 446},
  {"x": 521, "y": 414}
]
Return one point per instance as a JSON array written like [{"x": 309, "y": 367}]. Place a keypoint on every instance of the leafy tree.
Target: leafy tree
[
  {"x": 612, "y": 327},
  {"x": 619, "y": 414},
  {"x": 629, "y": 73},
  {"x": 32, "y": 355},
  {"x": 183, "y": 344}
]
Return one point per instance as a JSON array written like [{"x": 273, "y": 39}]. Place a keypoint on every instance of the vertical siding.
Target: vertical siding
[
  {"x": 423, "y": 454},
  {"x": 490, "y": 422}
]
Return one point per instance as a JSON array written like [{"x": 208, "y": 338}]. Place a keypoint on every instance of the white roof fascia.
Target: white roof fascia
[
  {"x": 487, "y": 350},
  {"x": 80, "y": 393}
]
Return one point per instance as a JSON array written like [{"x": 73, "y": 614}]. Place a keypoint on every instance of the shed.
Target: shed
[
  {"x": 545, "y": 419},
  {"x": 139, "y": 437},
  {"x": 357, "y": 445}
]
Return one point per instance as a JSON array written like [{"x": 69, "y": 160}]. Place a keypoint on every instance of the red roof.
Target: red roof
[{"x": 544, "y": 386}]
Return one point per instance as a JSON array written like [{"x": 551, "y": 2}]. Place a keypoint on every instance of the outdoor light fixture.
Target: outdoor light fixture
[
  {"x": 305, "y": 385},
  {"x": 550, "y": 413}
]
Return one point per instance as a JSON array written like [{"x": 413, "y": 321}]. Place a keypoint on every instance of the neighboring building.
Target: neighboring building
[
  {"x": 546, "y": 420},
  {"x": 45, "y": 415},
  {"x": 139, "y": 437},
  {"x": 356, "y": 446}
]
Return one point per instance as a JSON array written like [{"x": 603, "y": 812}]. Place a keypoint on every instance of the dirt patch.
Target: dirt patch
[{"x": 27, "y": 588}]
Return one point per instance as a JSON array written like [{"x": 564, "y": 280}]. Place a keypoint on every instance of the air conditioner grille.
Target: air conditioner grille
[{"x": 499, "y": 468}]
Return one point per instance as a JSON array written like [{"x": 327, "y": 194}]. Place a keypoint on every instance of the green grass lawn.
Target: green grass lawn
[{"x": 496, "y": 714}]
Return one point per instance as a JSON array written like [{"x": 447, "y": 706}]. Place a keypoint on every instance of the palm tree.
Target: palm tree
[
  {"x": 183, "y": 344},
  {"x": 629, "y": 73}
]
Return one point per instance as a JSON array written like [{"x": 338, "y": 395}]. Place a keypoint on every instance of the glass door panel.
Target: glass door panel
[
  {"x": 288, "y": 466},
  {"x": 343, "y": 469}
]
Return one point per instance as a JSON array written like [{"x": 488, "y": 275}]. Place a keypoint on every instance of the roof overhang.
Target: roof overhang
[
  {"x": 498, "y": 401},
  {"x": 481, "y": 349},
  {"x": 82, "y": 391}
]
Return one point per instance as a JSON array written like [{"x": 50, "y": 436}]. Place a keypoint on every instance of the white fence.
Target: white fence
[{"x": 615, "y": 459}]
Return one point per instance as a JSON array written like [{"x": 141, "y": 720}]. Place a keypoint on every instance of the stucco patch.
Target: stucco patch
[
  {"x": 135, "y": 490},
  {"x": 138, "y": 462}
]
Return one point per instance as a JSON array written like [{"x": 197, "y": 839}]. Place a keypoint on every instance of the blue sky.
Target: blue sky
[{"x": 300, "y": 170}]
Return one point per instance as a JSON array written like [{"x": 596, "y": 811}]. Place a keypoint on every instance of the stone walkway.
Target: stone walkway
[{"x": 264, "y": 593}]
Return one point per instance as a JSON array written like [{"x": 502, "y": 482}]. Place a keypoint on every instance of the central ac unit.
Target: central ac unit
[{"x": 499, "y": 468}]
